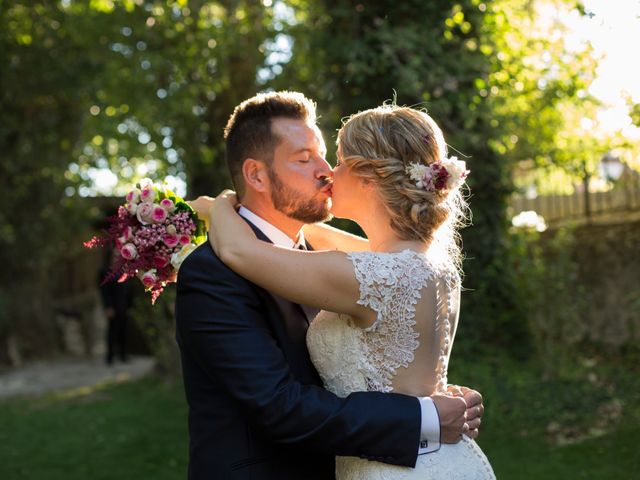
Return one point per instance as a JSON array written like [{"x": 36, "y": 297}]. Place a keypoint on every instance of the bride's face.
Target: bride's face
[{"x": 349, "y": 194}]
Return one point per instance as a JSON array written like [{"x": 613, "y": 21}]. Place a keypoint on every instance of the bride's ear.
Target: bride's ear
[
  {"x": 255, "y": 175},
  {"x": 368, "y": 186}
]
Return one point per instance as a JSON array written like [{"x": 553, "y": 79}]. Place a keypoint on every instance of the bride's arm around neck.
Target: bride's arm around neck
[
  {"x": 322, "y": 279},
  {"x": 325, "y": 237}
]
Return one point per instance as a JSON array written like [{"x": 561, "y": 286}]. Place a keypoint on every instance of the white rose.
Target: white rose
[
  {"x": 416, "y": 172},
  {"x": 457, "y": 170},
  {"x": 145, "y": 182},
  {"x": 133, "y": 196},
  {"x": 144, "y": 212},
  {"x": 131, "y": 208}
]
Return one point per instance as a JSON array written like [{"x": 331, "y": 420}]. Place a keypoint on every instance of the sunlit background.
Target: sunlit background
[
  {"x": 608, "y": 32},
  {"x": 540, "y": 97}
]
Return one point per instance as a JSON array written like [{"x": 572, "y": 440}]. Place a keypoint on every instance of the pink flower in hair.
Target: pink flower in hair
[{"x": 447, "y": 174}]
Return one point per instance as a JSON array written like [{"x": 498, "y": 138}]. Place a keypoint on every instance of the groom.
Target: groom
[{"x": 257, "y": 409}]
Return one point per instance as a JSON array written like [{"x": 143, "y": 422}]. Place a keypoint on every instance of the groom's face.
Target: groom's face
[{"x": 300, "y": 177}]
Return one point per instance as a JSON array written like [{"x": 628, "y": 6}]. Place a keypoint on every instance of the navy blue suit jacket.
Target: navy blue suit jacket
[{"x": 257, "y": 409}]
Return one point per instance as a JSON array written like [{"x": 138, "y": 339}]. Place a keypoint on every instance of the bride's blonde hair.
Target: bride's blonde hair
[{"x": 378, "y": 145}]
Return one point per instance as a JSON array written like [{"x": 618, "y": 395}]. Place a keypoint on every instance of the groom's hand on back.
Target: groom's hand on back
[{"x": 452, "y": 412}]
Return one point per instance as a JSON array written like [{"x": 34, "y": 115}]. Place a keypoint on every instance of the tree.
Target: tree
[
  {"x": 132, "y": 87},
  {"x": 46, "y": 82},
  {"x": 487, "y": 74}
]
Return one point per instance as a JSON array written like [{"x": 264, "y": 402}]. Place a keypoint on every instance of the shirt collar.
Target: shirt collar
[{"x": 277, "y": 236}]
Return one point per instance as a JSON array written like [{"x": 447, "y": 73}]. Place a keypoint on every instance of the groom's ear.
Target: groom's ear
[{"x": 255, "y": 174}]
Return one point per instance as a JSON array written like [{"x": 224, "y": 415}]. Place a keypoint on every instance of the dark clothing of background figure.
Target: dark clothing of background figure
[
  {"x": 257, "y": 409},
  {"x": 116, "y": 298}
]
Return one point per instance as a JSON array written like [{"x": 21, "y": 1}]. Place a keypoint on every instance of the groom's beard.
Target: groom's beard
[{"x": 293, "y": 204}]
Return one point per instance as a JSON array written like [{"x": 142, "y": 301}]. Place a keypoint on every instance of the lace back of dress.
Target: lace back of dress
[{"x": 391, "y": 285}]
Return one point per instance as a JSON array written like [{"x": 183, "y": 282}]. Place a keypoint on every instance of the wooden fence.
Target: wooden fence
[{"x": 557, "y": 208}]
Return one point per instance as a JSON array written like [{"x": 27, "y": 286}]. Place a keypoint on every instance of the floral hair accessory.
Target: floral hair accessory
[{"x": 446, "y": 174}]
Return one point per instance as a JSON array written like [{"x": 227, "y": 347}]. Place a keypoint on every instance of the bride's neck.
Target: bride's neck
[{"x": 382, "y": 238}]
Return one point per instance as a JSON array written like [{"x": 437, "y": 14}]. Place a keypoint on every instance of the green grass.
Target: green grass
[
  {"x": 138, "y": 430},
  {"x": 581, "y": 424},
  {"x": 127, "y": 431}
]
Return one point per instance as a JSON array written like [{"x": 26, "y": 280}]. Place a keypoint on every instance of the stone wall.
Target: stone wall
[{"x": 608, "y": 256}]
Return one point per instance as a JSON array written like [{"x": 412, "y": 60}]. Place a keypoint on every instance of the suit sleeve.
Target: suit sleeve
[{"x": 220, "y": 323}]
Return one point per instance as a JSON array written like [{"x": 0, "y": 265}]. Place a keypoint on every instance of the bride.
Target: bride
[{"x": 391, "y": 304}]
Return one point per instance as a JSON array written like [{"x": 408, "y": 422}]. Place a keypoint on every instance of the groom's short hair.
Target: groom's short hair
[{"x": 248, "y": 132}]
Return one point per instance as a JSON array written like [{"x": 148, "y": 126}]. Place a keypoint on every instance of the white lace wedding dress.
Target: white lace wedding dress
[{"x": 416, "y": 302}]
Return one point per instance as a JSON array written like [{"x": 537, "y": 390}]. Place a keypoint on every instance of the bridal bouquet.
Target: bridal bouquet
[{"x": 152, "y": 233}]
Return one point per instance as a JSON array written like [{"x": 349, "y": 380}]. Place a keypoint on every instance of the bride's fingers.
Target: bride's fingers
[
  {"x": 474, "y": 424},
  {"x": 473, "y": 433},
  {"x": 202, "y": 205},
  {"x": 472, "y": 397},
  {"x": 474, "y": 411},
  {"x": 228, "y": 196}
]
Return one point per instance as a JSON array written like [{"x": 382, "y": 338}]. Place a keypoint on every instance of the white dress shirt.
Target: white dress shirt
[
  {"x": 430, "y": 420},
  {"x": 277, "y": 236}
]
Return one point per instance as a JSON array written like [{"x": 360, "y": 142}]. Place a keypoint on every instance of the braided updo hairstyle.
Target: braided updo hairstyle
[{"x": 378, "y": 145}]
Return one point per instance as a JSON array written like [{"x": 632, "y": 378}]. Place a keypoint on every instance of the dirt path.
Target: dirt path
[{"x": 60, "y": 375}]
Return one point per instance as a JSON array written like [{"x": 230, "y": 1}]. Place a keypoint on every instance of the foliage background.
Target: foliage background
[{"x": 144, "y": 87}]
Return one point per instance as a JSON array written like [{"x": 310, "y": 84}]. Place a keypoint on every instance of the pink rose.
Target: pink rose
[
  {"x": 167, "y": 204},
  {"x": 170, "y": 240},
  {"x": 159, "y": 214},
  {"x": 184, "y": 239},
  {"x": 160, "y": 261},
  {"x": 147, "y": 194},
  {"x": 121, "y": 241},
  {"x": 128, "y": 251},
  {"x": 144, "y": 212},
  {"x": 133, "y": 196},
  {"x": 149, "y": 278}
]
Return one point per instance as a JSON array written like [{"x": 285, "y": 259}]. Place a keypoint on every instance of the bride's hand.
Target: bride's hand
[
  {"x": 228, "y": 196},
  {"x": 227, "y": 230},
  {"x": 202, "y": 206},
  {"x": 475, "y": 408}
]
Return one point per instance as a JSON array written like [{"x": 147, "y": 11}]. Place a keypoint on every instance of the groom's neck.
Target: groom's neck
[{"x": 276, "y": 218}]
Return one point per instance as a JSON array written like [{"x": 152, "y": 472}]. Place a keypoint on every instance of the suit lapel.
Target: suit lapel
[{"x": 308, "y": 313}]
